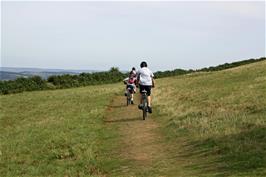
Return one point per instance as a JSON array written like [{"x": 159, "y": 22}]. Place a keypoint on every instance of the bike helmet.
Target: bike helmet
[{"x": 143, "y": 64}]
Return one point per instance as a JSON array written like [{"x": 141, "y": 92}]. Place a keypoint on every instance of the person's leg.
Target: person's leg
[
  {"x": 148, "y": 88},
  {"x": 132, "y": 98},
  {"x": 132, "y": 95},
  {"x": 149, "y": 98},
  {"x": 131, "y": 87},
  {"x": 149, "y": 101}
]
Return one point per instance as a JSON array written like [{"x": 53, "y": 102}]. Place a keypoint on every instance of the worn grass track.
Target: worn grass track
[
  {"x": 205, "y": 124},
  {"x": 142, "y": 148}
]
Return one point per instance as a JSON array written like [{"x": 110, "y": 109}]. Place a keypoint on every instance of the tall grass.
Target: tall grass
[{"x": 222, "y": 116}]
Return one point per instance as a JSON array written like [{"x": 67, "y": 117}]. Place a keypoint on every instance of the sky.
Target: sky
[{"x": 100, "y": 35}]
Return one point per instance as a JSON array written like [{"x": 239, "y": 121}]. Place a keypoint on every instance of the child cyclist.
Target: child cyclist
[
  {"x": 131, "y": 85},
  {"x": 146, "y": 82}
]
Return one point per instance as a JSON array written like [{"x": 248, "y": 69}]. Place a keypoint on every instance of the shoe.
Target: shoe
[
  {"x": 140, "y": 106},
  {"x": 132, "y": 102},
  {"x": 149, "y": 109}
]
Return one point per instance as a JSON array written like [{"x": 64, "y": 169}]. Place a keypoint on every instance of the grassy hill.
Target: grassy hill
[
  {"x": 221, "y": 117},
  {"x": 214, "y": 124}
]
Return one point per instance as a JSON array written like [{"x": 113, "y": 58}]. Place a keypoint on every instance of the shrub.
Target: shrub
[
  {"x": 22, "y": 84},
  {"x": 84, "y": 79}
]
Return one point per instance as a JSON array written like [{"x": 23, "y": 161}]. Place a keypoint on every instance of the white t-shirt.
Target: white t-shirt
[{"x": 145, "y": 76}]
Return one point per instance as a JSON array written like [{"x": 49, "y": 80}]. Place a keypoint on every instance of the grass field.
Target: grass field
[
  {"x": 219, "y": 118},
  {"x": 204, "y": 124},
  {"x": 54, "y": 133}
]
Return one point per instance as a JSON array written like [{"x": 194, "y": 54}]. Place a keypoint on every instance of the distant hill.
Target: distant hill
[
  {"x": 11, "y": 73},
  {"x": 5, "y": 75}
]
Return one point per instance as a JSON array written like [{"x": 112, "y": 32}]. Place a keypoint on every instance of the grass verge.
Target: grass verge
[{"x": 218, "y": 120}]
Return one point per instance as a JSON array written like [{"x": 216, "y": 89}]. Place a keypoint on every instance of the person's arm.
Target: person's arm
[{"x": 125, "y": 80}]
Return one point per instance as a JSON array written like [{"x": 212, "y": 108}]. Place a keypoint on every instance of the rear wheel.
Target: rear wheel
[
  {"x": 144, "y": 114},
  {"x": 144, "y": 109},
  {"x": 128, "y": 101}
]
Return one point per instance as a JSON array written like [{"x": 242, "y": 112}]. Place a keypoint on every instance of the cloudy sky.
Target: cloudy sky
[{"x": 99, "y": 35}]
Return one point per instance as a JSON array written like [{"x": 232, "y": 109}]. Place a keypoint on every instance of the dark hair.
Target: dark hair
[
  {"x": 133, "y": 68},
  {"x": 143, "y": 64}
]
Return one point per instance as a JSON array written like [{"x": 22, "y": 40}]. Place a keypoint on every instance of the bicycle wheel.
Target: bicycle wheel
[
  {"x": 144, "y": 109},
  {"x": 128, "y": 100}
]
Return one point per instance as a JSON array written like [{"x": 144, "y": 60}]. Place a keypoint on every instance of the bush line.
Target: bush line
[{"x": 84, "y": 79}]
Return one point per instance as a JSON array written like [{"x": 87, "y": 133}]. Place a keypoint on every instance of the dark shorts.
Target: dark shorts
[
  {"x": 145, "y": 87},
  {"x": 131, "y": 90}
]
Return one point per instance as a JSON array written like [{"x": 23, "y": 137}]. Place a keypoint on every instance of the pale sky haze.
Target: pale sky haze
[{"x": 99, "y": 35}]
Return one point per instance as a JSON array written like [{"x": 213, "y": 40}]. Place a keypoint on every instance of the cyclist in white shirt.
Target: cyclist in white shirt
[{"x": 146, "y": 82}]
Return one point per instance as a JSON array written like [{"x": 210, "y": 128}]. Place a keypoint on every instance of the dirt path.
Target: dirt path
[{"x": 141, "y": 143}]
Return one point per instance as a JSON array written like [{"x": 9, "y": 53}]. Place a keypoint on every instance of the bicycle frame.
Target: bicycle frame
[
  {"x": 145, "y": 104},
  {"x": 129, "y": 96}
]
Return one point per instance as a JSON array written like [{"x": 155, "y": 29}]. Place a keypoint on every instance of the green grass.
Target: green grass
[
  {"x": 214, "y": 125},
  {"x": 222, "y": 118},
  {"x": 55, "y": 133}
]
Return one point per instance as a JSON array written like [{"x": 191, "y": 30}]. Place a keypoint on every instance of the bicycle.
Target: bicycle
[
  {"x": 144, "y": 104},
  {"x": 129, "y": 95}
]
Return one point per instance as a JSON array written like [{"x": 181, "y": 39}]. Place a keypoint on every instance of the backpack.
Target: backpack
[{"x": 131, "y": 80}]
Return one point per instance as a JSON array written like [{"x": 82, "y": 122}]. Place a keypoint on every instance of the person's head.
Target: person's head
[
  {"x": 143, "y": 64},
  {"x": 131, "y": 73},
  {"x": 133, "y": 69}
]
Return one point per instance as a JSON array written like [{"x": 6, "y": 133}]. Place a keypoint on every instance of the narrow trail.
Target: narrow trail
[{"x": 142, "y": 145}]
